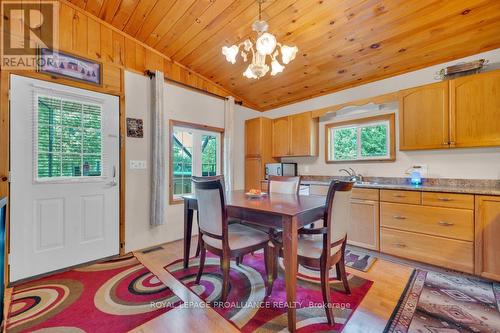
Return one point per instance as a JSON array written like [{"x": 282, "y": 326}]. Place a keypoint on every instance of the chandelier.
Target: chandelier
[{"x": 265, "y": 45}]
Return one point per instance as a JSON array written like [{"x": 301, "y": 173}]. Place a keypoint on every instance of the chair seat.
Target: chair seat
[
  {"x": 239, "y": 236},
  {"x": 311, "y": 246}
]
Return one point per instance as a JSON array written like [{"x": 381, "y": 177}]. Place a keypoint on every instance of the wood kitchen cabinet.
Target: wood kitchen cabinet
[
  {"x": 424, "y": 117},
  {"x": 435, "y": 228},
  {"x": 364, "y": 227},
  {"x": 475, "y": 110},
  {"x": 281, "y": 137},
  {"x": 295, "y": 135},
  {"x": 258, "y": 147},
  {"x": 487, "y": 230},
  {"x": 462, "y": 112}
]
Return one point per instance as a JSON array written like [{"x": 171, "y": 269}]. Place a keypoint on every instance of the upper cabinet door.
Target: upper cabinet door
[
  {"x": 281, "y": 137},
  {"x": 424, "y": 117},
  {"x": 475, "y": 110},
  {"x": 253, "y": 137},
  {"x": 303, "y": 132}
]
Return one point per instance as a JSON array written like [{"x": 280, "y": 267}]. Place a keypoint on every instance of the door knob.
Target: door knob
[{"x": 5, "y": 178}]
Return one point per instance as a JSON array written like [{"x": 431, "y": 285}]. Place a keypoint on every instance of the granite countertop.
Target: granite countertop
[{"x": 472, "y": 186}]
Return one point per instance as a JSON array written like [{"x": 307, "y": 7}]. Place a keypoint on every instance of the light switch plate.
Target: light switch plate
[{"x": 137, "y": 164}]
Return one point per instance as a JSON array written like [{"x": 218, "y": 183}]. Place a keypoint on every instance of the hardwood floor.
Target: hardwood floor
[{"x": 389, "y": 279}]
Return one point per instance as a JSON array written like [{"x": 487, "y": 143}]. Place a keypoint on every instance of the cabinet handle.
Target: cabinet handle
[
  {"x": 399, "y": 245},
  {"x": 445, "y": 199},
  {"x": 452, "y": 142},
  {"x": 399, "y": 217},
  {"x": 399, "y": 196},
  {"x": 445, "y": 223},
  {"x": 446, "y": 143}
]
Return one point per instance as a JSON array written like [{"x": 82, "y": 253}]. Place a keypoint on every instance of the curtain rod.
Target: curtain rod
[{"x": 151, "y": 74}]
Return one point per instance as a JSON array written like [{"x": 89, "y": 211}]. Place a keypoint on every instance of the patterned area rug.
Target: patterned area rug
[
  {"x": 447, "y": 303},
  {"x": 359, "y": 260},
  {"x": 114, "y": 296},
  {"x": 249, "y": 310}
]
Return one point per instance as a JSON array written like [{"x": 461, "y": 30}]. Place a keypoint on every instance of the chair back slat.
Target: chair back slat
[
  {"x": 209, "y": 193},
  {"x": 283, "y": 184}
]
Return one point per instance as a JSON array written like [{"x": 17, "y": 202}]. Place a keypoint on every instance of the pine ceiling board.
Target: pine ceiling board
[
  {"x": 228, "y": 16},
  {"x": 312, "y": 41},
  {"x": 160, "y": 15},
  {"x": 315, "y": 20},
  {"x": 124, "y": 12},
  {"x": 283, "y": 13},
  {"x": 374, "y": 73},
  {"x": 272, "y": 84},
  {"x": 108, "y": 10},
  {"x": 93, "y": 6},
  {"x": 201, "y": 22},
  {"x": 153, "y": 30},
  {"x": 137, "y": 18},
  {"x": 188, "y": 19}
]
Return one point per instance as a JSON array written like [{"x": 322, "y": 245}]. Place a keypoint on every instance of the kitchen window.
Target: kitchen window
[
  {"x": 195, "y": 150},
  {"x": 365, "y": 139}
]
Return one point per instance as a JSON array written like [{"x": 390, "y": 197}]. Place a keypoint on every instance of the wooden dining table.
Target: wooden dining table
[{"x": 290, "y": 212}]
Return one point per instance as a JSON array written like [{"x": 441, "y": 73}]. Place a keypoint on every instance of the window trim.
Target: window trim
[
  {"x": 176, "y": 123},
  {"x": 390, "y": 118}
]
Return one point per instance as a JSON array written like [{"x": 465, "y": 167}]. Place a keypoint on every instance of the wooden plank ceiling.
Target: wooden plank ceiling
[{"x": 342, "y": 43}]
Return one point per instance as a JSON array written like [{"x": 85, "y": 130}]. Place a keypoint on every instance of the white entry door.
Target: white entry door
[{"x": 64, "y": 162}]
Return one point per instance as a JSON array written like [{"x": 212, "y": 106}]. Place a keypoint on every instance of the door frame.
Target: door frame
[{"x": 5, "y": 146}]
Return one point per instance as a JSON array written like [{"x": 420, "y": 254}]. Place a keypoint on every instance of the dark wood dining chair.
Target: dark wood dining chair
[
  {"x": 283, "y": 184},
  {"x": 275, "y": 184},
  {"x": 322, "y": 248},
  {"x": 217, "y": 235}
]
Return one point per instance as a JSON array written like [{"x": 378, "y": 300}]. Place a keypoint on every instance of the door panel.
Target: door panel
[
  {"x": 424, "y": 117},
  {"x": 93, "y": 218},
  {"x": 475, "y": 105},
  {"x": 49, "y": 224},
  {"x": 64, "y": 176},
  {"x": 281, "y": 137}
]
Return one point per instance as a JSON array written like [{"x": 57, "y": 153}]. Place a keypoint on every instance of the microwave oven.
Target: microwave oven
[{"x": 281, "y": 169}]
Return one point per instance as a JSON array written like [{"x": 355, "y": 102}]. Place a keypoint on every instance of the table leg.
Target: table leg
[
  {"x": 290, "y": 262},
  {"x": 188, "y": 228}
]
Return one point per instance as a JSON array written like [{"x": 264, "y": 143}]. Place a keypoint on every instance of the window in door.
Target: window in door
[
  {"x": 195, "y": 151},
  {"x": 363, "y": 139},
  {"x": 68, "y": 139}
]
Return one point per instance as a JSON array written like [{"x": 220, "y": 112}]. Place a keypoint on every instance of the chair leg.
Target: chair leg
[
  {"x": 325, "y": 290},
  {"x": 198, "y": 248},
  {"x": 239, "y": 259},
  {"x": 203, "y": 253},
  {"x": 343, "y": 275},
  {"x": 225, "y": 277}
]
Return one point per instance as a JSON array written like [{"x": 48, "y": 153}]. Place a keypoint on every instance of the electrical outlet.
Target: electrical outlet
[
  {"x": 137, "y": 164},
  {"x": 423, "y": 169}
]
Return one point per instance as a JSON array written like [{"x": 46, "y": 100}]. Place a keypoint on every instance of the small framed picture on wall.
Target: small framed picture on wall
[
  {"x": 135, "y": 128},
  {"x": 69, "y": 66}
]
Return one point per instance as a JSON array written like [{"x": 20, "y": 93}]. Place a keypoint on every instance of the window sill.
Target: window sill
[{"x": 176, "y": 201}]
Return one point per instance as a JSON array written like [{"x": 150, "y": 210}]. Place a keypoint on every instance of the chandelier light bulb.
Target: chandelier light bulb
[
  {"x": 266, "y": 43},
  {"x": 249, "y": 74},
  {"x": 276, "y": 67},
  {"x": 230, "y": 53},
  {"x": 288, "y": 53}
]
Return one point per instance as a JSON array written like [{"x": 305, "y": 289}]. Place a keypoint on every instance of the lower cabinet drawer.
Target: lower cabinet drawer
[
  {"x": 447, "y": 253},
  {"x": 437, "y": 221}
]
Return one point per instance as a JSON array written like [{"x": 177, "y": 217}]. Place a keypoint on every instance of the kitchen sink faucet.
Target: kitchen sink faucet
[{"x": 353, "y": 176}]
